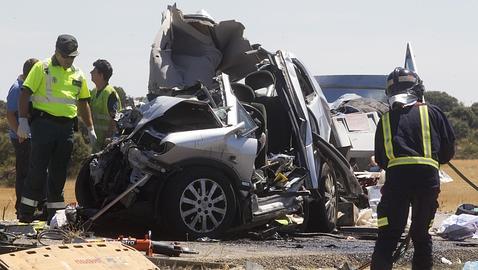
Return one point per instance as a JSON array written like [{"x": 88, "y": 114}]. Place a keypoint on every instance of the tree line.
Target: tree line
[{"x": 464, "y": 120}]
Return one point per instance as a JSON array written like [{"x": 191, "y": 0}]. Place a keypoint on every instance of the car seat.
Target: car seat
[
  {"x": 279, "y": 127},
  {"x": 246, "y": 96}
]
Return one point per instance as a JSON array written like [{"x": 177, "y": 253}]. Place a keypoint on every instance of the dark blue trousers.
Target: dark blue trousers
[
  {"x": 51, "y": 147},
  {"x": 22, "y": 159},
  {"x": 392, "y": 214}
]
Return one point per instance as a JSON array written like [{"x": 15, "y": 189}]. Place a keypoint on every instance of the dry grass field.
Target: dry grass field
[
  {"x": 452, "y": 194},
  {"x": 457, "y": 192},
  {"x": 7, "y": 199}
]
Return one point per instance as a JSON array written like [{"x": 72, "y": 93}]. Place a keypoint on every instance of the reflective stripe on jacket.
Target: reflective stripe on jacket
[
  {"x": 55, "y": 90},
  {"x": 426, "y": 159}
]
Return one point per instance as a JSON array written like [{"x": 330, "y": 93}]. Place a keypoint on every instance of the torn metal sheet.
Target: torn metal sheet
[
  {"x": 191, "y": 48},
  {"x": 160, "y": 105}
]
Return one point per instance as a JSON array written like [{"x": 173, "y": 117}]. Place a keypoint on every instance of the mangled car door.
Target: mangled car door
[
  {"x": 299, "y": 116},
  {"x": 315, "y": 101}
]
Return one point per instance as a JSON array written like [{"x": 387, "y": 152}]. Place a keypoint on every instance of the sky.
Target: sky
[{"x": 330, "y": 37}]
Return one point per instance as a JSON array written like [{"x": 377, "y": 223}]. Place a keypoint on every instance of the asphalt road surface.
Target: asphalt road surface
[
  {"x": 302, "y": 251},
  {"x": 311, "y": 253}
]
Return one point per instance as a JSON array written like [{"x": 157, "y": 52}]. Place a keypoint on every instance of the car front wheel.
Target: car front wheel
[
  {"x": 321, "y": 213},
  {"x": 330, "y": 198},
  {"x": 197, "y": 202}
]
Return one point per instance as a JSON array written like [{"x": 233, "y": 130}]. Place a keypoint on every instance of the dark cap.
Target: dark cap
[{"x": 67, "y": 45}]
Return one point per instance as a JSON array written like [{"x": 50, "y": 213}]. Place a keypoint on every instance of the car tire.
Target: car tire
[
  {"x": 197, "y": 202},
  {"x": 84, "y": 189},
  {"x": 321, "y": 213}
]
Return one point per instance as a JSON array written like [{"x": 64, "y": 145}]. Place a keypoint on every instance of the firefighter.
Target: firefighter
[
  {"x": 411, "y": 141},
  {"x": 104, "y": 103},
  {"x": 58, "y": 92}
]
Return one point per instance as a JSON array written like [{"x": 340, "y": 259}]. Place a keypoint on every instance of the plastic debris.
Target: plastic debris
[
  {"x": 471, "y": 265},
  {"x": 374, "y": 195},
  {"x": 459, "y": 227},
  {"x": 59, "y": 219},
  {"x": 467, "y": 208},
  {"x": 206, "y": 239},
  {"x": 445, "y": 261},
  {"x": 444, "y": 177}
]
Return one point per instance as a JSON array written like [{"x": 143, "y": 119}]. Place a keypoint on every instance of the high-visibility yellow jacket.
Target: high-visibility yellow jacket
[
  {"x": 102, "y": 119},
  {"x": 56, "y": 90}
]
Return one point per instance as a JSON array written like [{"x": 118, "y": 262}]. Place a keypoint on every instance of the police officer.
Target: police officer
[
  {"x": 411, "y": 140},
  {"x": 104, "y": 103},
  {"x": 58, "y": 91}
]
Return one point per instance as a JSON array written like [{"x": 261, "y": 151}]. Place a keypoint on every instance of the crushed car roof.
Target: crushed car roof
[{"x": 192, "y": 48}]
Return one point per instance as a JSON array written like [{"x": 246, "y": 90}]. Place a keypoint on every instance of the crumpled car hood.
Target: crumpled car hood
[{"x": 160, "y": 105}]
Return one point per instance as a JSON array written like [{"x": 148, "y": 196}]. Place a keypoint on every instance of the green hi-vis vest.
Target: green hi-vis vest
[
  {"x": 427, "y": 143},
  {"x": 101, "y": 114},
  {"x": 60, "y": 91}
]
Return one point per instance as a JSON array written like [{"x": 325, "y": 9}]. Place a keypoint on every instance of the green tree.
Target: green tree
[
  {"x": 3, "y": 107},
  {"x": 474, "y": 107},
  {"x": 441, "y": 99},
  {"x": 7, "y": 160},
  {"x": 464, "y": 114},
  {"x": 7, "y": 154},
  {"x": 461, "y": 128},
  {"x": 80, "y": 152}
]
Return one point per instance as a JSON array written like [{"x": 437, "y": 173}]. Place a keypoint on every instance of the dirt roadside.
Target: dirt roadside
[{"x": 299, "y": 252}]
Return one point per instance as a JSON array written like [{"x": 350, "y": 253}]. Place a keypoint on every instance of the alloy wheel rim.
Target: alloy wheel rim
[
  {"x": 203, "y": 205},
  {"x": 330, "y": 195}
]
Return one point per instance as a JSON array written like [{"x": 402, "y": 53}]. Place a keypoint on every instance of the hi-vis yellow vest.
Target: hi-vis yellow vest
[
  {"x": 56, "y": 90},
  {"x": 427, "y": 144},
  {"x": 101, "y": 115}
]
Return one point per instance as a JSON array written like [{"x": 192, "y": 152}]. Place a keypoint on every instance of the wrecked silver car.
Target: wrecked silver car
[{"x": 233, "y": 141}]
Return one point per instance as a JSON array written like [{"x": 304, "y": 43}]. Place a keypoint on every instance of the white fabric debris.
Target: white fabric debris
[
  {"x": 444, "y": 177},
  {"x": 374, "y": 195},
  {"x": 445, "y": 261},
  {"x": 459, "y": 227},
  {"x": 59, "y": 219}
]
